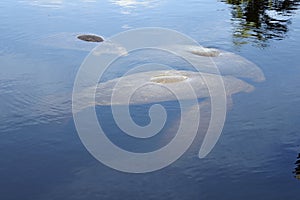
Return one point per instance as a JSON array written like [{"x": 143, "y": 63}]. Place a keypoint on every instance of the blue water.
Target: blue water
[{"x": 41, "y": 155}]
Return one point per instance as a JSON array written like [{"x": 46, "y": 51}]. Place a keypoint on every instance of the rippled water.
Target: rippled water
[{"x": 41, "y": 154}]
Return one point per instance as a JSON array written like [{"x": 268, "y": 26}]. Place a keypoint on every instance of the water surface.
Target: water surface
[{"x": 41, "y": 154}]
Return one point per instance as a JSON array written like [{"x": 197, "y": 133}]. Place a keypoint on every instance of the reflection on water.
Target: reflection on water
[
  {"x": 259, "y": 21},
  {"x": 52, "y": 3},
  {"x": 297, "y": 169},
  {"x": 45, "y": 3},
  {"x": 129, "y": 6},
  {"x": 42, "y": 156},
  {"x": 132, "y": 3}
]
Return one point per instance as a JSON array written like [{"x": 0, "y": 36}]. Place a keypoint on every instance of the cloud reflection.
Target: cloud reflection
[
  {"x": 128, "y": 6},
  {"x": 133, "y": 3},
  {"x": 52, "y": 3},
  {"x": 45, "y": 3}
]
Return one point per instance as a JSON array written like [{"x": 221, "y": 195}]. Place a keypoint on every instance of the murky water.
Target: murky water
[{"x": 41, "y": 156}]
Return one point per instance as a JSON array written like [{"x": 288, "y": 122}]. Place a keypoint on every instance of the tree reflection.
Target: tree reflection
[
  {"x": 297, "y": 169},
  {"x": 260, "y": 20}
]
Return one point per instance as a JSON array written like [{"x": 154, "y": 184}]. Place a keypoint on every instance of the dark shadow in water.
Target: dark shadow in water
[
  {"x": 297, "y": 169},
  {"x": 260, "y": 20}
]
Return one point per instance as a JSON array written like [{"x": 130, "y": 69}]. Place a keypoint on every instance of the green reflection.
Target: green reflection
[
  {"x": 260, "y": 20},
  {"x": 297, "y": 169}
]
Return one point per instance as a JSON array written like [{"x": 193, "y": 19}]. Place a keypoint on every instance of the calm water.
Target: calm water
[{"x": 41, "y": 156}]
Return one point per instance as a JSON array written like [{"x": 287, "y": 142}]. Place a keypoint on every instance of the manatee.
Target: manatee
[
  {"x": 162, "y": 86},
  {"x": 68, "y": 41},
  {"x": 227, "y": 63},
  {"x": 81, "y": 42},
  {"x": 203, "y": 51},
  {"x": 151, "y": 87}
]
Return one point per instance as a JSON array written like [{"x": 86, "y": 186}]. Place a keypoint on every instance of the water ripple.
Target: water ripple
[{"x": 23, "y": 104}]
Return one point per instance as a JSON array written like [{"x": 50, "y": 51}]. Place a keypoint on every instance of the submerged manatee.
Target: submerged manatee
[
  {"x": 82, "y": 42},
  {"x": 161, "y": 86},
  {"x": 203, "y": 51},
  {"x": 68, "y": 41},
  {"x": 158, "y": 86},
  {"x": 206, "y": 59}
]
